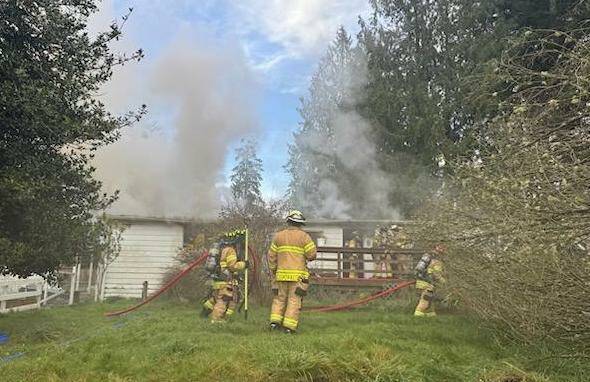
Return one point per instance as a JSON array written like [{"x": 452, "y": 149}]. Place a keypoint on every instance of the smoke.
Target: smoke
[
  {"x": 200, "y": 96},
  {"x": 362, "y": 189}
]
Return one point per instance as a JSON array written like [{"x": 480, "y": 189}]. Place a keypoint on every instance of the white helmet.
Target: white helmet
[{"x": 296, "y": 217}]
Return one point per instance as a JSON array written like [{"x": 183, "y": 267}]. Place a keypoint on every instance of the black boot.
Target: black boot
[{"x": 274, "y": 326}]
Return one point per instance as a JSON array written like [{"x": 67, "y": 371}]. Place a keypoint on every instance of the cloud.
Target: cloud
[{"x": 300, "y": 27}]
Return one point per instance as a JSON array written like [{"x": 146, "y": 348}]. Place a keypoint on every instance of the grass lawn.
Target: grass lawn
[{"x": 168, "y": 342}]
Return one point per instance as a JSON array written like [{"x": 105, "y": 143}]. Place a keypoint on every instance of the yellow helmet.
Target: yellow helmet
[
  {"x": 296, "y": 217},
  {"x": 235, "y": 233}
]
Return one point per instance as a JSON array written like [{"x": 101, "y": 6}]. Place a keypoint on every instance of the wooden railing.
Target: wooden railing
[{"x": 360, "y": 266}]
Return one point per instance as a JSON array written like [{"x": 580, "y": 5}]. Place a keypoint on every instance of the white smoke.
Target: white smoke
[
  {"x": 201, "y": 99},
  {"x": 354, "y": 151}
]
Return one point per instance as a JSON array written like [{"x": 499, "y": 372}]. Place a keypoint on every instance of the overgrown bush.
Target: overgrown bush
[{"x": 516, "y": 215}]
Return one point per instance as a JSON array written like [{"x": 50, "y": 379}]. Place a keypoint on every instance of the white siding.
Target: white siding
[
  {"x": 148, "y": 249},
  {"x": 334, "y": 238}
]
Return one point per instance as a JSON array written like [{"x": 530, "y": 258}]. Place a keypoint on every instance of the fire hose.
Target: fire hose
[
  {"x": 198, "y": 261},
  {"x": 167, "y": 286},
  {"x": 316, "y": 309},
  {"x": 362, "y": 301}
]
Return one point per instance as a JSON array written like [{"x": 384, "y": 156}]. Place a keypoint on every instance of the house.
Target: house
[{"x": 149, "y": 246}]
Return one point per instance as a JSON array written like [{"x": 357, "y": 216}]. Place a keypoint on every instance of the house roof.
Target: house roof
[
  {"x": 355, "y": 222},
  {"x": 158, "y": 219},
  {"x": 361, "y": 224}
]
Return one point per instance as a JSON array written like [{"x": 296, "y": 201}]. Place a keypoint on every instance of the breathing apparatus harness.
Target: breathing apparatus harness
[{"x": 421, "y": 268}]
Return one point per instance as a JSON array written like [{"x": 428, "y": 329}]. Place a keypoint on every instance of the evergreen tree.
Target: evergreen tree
[
  {"x": 422, "y": 95},
  {"x": 51, "y": 123},
  {"x": 246, "y": 177},
  {"x": 423, "y": 57}
]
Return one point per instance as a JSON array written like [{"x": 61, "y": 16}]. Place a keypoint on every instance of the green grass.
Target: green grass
[{"x": 169, "y": 342}]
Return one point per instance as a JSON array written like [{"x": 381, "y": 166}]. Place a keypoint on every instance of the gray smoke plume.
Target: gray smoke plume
[
  {"x": 204, "y": 94},
  {"x": 356, "y": 154},
  {"x": 363, "y": 193}
]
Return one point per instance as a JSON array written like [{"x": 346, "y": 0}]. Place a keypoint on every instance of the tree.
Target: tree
[
  {"x": 50, "y": 72},
  {"x": 246, "y": 177}
]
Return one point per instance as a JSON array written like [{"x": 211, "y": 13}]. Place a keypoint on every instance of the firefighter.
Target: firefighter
[
  {"x": 225, "y": 285},
  {"x": 383, "y": 261},
  {"x": 288, "y": 255},
  {"x": 211, "y": 266},
  {"x": 352, "y": 261},
  {"x": 428, "y": 273}
]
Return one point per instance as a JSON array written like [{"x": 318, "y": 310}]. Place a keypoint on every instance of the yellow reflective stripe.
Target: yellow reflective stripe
[
  {"x": 219, "y": 284},
  {"x": 276, "y": 318},
  {"x": 274, "y": 248},
  {"x": 419, "y": 313},
  {"x": 229, "y": 312},
  {"x": 309, "y": 247},
  {"x": 435, "y": 268},
  {"x": 208, "y": 304},
  {"x": 223, "y": 264},
  {"x": 290, "y": 323},
  {"x": 421, "y": 284},
  {"x": 291, "y": 275},
  {"x": 291, "y": 248},
  {"x": 230, "y": 258}
]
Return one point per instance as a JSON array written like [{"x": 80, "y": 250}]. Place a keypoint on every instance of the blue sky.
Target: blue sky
[{"x": 280, "y": 42}]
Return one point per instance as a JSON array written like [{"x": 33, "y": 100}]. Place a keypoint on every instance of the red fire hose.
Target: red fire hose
[
  {"x": 355, "y": 303},
  {"x": 167, "y": 286},
  {"x": 203, "y": 257},
  {"x": 176, "y": 279}
]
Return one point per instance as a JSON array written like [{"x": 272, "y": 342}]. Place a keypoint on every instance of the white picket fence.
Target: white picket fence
[{"x": 14, "y": 288}]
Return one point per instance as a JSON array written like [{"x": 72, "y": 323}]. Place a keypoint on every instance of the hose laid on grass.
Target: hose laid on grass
[
  {"x": 163, "y": 289},
  {"x": 362, "y": 301},
  {"x": 175, "y": 280}
]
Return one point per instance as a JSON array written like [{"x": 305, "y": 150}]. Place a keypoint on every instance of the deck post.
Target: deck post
[
  {"x": 72, "y": 285},
  {"x": 45, "y": 291},
  {"x": 78, "y": 274}
]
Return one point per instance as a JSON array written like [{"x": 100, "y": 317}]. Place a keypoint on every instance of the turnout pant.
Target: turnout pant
[
  {"x": 209, "y": 303},
  {"x": 425, "y": 305},
  {"x": 286, "y": 304},
  {"x": 224, "y": 303}
]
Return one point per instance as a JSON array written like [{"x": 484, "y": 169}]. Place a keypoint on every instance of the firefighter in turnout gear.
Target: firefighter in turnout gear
[
  {"x": 225, "y": 284},
  {"x": 428, "y": 273},
  {"x": 353, "y": 261},
  {"x": 383, "y": 261},
  {"x": 288, "y": 255}
]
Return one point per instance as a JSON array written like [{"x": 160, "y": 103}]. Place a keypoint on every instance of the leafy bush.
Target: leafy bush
[{"x": 516, "y": 215}]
